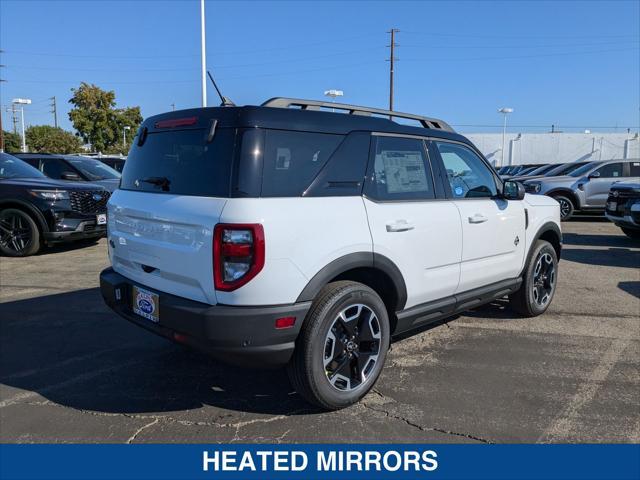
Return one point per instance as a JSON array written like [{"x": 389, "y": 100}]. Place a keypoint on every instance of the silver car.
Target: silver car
[{"x": 586, "y": 188}]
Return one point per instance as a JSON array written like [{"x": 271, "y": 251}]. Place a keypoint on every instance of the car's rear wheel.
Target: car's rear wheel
[
  {"x": 19, "y": 234},
  {"x": 566, "y": 207},
  {"x": 342, "y": 347},
  {"x": 538, "y": 282},
  {"x": 631, "y": 233}
]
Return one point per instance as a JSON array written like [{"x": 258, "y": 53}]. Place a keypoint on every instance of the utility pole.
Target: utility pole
[
  {"x": 14, "y": 117},
  {"x": 173, "y": 107},
  {"x": 54, "y": 110},
  {"x": 391, "y": 60}
]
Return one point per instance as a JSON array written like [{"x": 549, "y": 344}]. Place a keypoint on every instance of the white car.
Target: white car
[{"x": 285, "y": 234}]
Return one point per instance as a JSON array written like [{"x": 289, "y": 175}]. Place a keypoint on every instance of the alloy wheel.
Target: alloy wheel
[
  {"x": 15, "y": 232},
  {"x": 351, "y": 347},
  {"x": 565, "y": 208},
  {"x": 544, "y": 279}
]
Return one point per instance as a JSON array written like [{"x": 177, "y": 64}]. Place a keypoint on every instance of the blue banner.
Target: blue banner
[{"x": 326, "y": 461}]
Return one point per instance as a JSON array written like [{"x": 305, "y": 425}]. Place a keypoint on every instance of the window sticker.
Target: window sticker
[{"x": 404, "y": 171}]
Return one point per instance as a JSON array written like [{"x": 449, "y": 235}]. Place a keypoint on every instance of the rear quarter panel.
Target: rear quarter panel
[{"x": 302, "y": 235}]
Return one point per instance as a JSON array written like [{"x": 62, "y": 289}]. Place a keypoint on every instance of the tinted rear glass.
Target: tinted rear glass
[
  {"x": 190, "y": 164},
  {"x": 293, "y": 159}
]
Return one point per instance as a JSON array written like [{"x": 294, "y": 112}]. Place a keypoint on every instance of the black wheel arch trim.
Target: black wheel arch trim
[
  {"x": 35, "y": 213},
  {"x": 546, "y": 227},
  {"x": 570, "y": 194},
  {"x": 356, "y": 260}
]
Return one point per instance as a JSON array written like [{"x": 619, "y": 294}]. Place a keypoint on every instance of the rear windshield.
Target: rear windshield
[
  {"x": 269, "y": 163},
  {"x": 181, "y": 162}
]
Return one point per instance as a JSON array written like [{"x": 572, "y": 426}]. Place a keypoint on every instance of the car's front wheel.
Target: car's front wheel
[
  {"x": 538, "y": 281},
  {"x": 566, "y": 207},
  {"x": 342, "y": 347},
  {"x": 19, "y": 234}
]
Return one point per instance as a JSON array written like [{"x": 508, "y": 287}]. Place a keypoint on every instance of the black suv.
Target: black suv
[
  {"x": 36, "y": 210},
  {"x": 73, "y": 167},
  {"x": 623, "y": 208}
]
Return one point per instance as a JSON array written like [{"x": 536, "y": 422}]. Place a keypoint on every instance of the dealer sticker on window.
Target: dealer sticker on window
[
  {"x": 146, "y": 304},
  {"x": 101, "y": 219}
]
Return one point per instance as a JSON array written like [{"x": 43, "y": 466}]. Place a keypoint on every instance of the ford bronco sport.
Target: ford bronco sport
[{"x": 286, "y": 234}]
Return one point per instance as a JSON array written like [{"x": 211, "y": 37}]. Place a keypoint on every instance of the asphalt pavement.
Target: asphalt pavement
[{"x": 72, "y": 371}]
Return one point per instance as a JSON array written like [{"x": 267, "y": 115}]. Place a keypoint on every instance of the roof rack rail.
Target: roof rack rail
[{"x": 426, "y": 122}]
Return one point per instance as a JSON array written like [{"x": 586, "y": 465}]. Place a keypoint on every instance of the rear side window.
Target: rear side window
[
  {"x": 635, "y": 169},
  {"x": 181, "y": 162},
  {"x": 401, "y": 170},
  {"x": 292, "y": 160}
]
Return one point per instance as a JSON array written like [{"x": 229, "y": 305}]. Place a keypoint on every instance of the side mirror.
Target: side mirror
[
  {"x": 512, "y": 190},
  {"x": 70, "y": 176},
  {"x": 594, "y": 175}
]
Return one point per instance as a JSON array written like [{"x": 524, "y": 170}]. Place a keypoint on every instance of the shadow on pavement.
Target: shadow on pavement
[
  {"x": 598, "y": 240},
  {"x": 632, "y": 288},
  {"x": 73, "y": 351},
  {"x": 611, "y": 257},
  {"x": 68, "y": 247}
]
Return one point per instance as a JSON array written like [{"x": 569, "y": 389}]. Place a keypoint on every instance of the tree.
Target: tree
[
  {"x": 12, "y": 142},
  {"x": 97, "y": 119},
  {"x": 45, "y": 138}
]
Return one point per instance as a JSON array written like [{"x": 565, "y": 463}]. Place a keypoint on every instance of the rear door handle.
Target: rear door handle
[
  {"x": 400, "y": 226},
  {"x": 478, "y": 218}
]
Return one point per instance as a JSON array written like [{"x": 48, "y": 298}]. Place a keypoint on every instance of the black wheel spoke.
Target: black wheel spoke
[{"x": 351, "y": 347}]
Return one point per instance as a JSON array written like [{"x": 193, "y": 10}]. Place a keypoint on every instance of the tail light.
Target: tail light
[{"x": 238, "y": 254}]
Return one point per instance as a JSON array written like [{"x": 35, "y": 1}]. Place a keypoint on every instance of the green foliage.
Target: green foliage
[
  {"x": 99, "y": 122},
  {"x": 45, "y": 138},
  {"x": 12, "y": 142}
]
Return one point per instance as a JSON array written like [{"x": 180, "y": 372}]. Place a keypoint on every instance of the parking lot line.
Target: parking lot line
[
  {"x": 565, "y": 422},
  {"x": 80, "y": 378}
]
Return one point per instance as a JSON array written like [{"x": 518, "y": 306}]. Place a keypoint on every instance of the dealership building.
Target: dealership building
[{"x": 522, "y": 148}]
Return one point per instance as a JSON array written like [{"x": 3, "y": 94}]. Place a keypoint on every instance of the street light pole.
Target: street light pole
[
  {"x": 203, "y": 54},
  {"x": 124, "y": 136},
  {"x": 22, "y": 102},
  {"x": 504, "y": 111}
]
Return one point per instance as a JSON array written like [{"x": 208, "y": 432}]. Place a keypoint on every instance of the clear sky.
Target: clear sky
[{"x": 571, "y": 63}]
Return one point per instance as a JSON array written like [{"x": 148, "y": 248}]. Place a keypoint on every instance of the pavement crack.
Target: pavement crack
[
  {"x": 421, "y": 427},
  {"x": 141, "y": 429}
]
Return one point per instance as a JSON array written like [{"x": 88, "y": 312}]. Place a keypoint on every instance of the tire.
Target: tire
[
  {"x": 566, "y": 207},
  {"x": 324, "y": 349},
  {"x": 631, "y": 233},
  {"x": 19, "y": 233},
  {"x": 538, "y": 286}
]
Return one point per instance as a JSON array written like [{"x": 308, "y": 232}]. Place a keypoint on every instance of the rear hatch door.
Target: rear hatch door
[{"x": 174, "y": 187}]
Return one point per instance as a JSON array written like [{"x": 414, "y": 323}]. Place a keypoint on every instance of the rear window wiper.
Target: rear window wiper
[{"x": 162, "y": 182}]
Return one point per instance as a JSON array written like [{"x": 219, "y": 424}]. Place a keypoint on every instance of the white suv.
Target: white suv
[{"x": 283, "y": 234}]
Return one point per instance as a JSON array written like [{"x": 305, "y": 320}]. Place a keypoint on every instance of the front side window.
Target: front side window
[
  {"x": 611, "y": 170},
  {"x": 468, "y": 175},
  {"x": 401, "y": 170},
  {"x": 635, "y": 169},
  {"x": 54, "y": 168}
]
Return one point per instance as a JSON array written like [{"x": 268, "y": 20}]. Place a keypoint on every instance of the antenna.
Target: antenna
[{"x": 225, "y": 101}]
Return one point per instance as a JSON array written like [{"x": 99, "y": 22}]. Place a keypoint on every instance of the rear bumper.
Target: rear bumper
[{"x": 243, "y": 336}]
